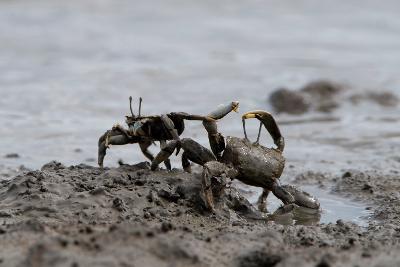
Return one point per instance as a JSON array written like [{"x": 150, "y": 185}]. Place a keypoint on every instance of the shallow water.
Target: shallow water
[
  {"x": 68, "y": 68},
  {"x": 333, "y": 208}
]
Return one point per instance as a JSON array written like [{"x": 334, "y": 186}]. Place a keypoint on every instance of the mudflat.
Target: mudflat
[{"x": 130, "y": 216}]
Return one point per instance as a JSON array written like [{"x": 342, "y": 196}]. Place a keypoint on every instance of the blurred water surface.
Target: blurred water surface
[{"x": 67, "y": 69}]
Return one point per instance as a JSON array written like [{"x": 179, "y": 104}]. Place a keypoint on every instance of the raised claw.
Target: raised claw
[
  {"x": 223, "y": 110},
  {"x": 217, "y": 141},
  {"x": 269, "y": 123}
]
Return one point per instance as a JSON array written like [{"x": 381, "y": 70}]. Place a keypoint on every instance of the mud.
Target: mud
[
  {"x": 319, "y": 95},
  {"x": 291, "y": 102},
  {"x": 325, "y": 97},
  {"x": 384, "y": 99},
  {"x": 12, "y": 156},
  {"x": 129, "y": 216}
]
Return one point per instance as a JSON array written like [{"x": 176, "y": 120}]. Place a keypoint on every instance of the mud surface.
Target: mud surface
[{"x": 130, "y": 216}]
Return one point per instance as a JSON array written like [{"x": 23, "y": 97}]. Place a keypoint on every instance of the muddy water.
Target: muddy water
[
  {"x": 67, "y": 69},
  {"x": 333, "y": 208}
]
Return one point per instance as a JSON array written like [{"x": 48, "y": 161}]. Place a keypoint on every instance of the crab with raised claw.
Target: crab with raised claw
[
  {"x": 251, "y": 163},
  {"x": 144, "y": 130}
]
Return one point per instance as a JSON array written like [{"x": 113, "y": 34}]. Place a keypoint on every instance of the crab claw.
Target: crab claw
[
  {"x": 269, "y": 123},
  {"x": 235, "y": 106},
  {"x": 223, "y": 110}
]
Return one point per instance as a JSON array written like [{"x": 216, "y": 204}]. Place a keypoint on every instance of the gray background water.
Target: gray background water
[{"x": 68, "y": 67}]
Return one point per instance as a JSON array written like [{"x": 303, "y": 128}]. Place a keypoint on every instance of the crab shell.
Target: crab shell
[{"x": 256, "y": 165}]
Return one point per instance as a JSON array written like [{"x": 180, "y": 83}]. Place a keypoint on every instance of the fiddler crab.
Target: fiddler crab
[
  {"x": 144, "y": 130},
  {"x": 238, "y": 158}
]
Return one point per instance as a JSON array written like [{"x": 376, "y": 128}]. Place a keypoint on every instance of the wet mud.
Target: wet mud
[
  {"x": 326, "y": 96},
  {"x": 130, "y": 216}
]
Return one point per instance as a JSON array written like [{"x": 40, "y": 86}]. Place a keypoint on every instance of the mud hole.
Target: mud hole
[{"x": 130, "y": 216}]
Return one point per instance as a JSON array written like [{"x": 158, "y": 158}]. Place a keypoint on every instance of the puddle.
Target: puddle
[{"x": 334, "y": 207}]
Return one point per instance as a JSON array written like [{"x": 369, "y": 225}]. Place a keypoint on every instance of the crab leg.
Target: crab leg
[
  {"x": 262, "y": 200},
  {"x": 259, "y": 133},
  {"x": 217, "y": 114},
  {"x": 169, "y": 124},
  {"x": 206, "y": 188},
  {"x": 214, "y": 188},
  {"x": 217, "y": 142},
  {"x": 187, "y": 116},
  {"x": 186, "y": 163},
  {"x": 282, "y": 194},
  {"x": 112, "y": 137},
  {"x": 216, "y": 139},
  {"x": 167, "y": 148},
  {"x": 193, "y": 151},
  {"x": 269, "y": 123},
  {"x": 144, "y": 145},
  {"x": 167, "y": 162},
  {"x": 302, "y": 198},
  {"x": 165, "y": 153},
  {"x": 214, "y": 173}
]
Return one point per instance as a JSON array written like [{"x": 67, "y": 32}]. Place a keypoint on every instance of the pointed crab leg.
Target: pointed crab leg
[
  {"x": 269, "y": 123},
  {"x": 259, "y": 133}
]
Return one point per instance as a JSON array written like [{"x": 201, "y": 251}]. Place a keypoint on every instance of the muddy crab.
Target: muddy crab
[
  {"x": 238, "y": 158},
  {"x": 144, "y": 130}
]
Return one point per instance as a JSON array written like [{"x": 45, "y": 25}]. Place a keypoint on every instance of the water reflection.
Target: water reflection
[
  {"x": 298, "y": 216},
  {"x": 333, "y": 208}
]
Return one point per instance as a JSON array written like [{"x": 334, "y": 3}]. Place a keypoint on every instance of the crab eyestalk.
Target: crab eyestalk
[
  {"x": 269, "y": 123},
  {"x": 140, "y": 107},
  {"x": 130, "y": 106}
]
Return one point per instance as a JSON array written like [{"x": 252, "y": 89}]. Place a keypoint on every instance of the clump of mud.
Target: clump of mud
[
  {"x": 130, "y": 216},
  {"x": 315, "y": 96},
  {"x": 324, "y": 96},
  {"x": 292, "y": 102},
  {"x": 384, "y": 99}
]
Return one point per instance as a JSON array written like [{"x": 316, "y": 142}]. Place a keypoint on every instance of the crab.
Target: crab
[
  {"x": 251, "y": 163},
  {"x": 144, "y": 130}
]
